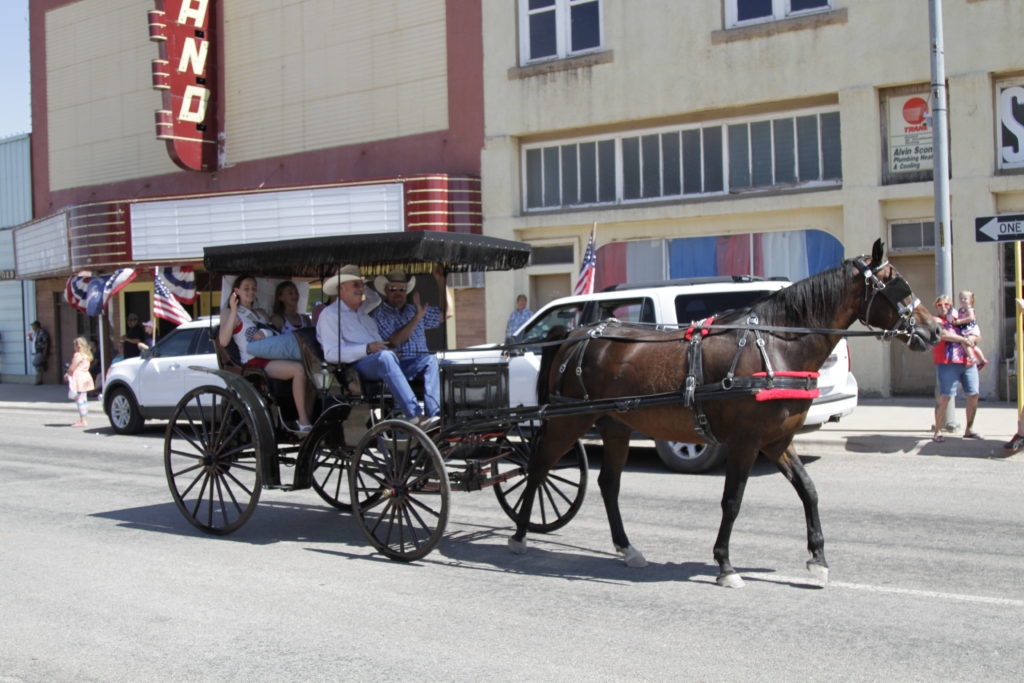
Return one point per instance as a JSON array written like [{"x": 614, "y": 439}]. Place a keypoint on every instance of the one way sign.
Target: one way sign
[{"x": 1005, "y": 228}]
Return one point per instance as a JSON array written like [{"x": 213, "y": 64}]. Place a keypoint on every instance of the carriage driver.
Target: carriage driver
[{"x": 348, "y": 334}]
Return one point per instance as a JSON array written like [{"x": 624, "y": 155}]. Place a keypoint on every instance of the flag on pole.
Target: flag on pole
[
  {"x": 181, "y": 281},
  {"x": 115, "y": 282},
  {"x": 164, "y": 304},
  {"x": 585, "y": 282}
]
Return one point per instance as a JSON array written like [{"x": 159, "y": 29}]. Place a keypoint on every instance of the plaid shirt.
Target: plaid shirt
[
  {"x": 391, "y": 319},
  {"x": 516, "y": 318}
]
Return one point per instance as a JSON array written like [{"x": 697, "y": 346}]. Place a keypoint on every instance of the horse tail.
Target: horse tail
[{"x": 547, "y": 359}]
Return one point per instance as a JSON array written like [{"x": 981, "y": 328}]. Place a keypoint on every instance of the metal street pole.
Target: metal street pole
[{"x": 940, "y": 173}]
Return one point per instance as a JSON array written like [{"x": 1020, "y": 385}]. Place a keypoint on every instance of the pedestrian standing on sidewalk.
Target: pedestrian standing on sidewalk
[
  {"x": 952, "y": 367},
  {"x": 40, "y": 349},
  {"x": 80, "y": 380}
]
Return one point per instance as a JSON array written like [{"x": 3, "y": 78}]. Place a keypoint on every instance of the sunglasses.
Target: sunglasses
[{"x": 396, "y": 288}]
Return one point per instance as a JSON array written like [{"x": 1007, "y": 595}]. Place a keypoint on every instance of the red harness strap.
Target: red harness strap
[
  {"x": 703, "y": 325},
  {"x": 770, "y": 394}
]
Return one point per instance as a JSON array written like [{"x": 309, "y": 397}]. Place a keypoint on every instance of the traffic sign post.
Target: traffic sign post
[{"x": 1008, "y": 228}]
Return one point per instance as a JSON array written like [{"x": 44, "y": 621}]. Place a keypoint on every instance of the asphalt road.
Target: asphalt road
[{"x": 103, "y": 580}]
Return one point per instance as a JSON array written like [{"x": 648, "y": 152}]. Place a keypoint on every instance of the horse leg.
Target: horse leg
[
  {"x": 739, "y": 460},
  {"x": 553, "y": 441},
  {"x": 615, "y": 436},
  {"x": 791, "y": 467}
]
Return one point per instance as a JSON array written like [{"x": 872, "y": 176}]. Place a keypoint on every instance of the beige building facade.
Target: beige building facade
[{"x": 795, "y": 132}]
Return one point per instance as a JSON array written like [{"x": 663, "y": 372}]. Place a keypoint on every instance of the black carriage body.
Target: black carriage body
[{"x": 472, "y": 390}]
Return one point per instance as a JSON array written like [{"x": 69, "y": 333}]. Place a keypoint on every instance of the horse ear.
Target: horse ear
[{"x": 877, "y": 252}]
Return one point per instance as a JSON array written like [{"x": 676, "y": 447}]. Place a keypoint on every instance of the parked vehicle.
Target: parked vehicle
[
  {"x": 672, "y": 303},
  {"x": 149, "y": 387}
]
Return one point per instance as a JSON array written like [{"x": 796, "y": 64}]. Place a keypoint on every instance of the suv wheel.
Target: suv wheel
[
  {"x": 123, "y": 412},
  {"x": 690, "y": 458}
]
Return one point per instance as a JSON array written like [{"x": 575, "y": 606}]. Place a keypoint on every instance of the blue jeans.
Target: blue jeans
[
  {"x": 951, "y": 374},
  {"x": 279, "y": 347},
  {"x": 384, "y": 365},
  {"x": 427, "y": 364}
]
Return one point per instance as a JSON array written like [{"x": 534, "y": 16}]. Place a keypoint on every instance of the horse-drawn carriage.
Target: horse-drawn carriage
[
  {"x": 224, "y": 445},
  {"x": 744, "y": 379}
]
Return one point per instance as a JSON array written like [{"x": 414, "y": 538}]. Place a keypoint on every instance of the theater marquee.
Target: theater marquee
[{"x": 185, "y": 74}]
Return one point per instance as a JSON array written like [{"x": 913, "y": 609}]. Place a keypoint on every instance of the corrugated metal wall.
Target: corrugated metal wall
[{"x": 15, "y": 208}]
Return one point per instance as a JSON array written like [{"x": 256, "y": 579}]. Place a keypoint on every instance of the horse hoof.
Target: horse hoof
[
  {"x": 632, "y": 557},
  {"x": 819, "y": 572},
  {"x": 518, "y": 547},
  {"x": 733, "y": 580}
]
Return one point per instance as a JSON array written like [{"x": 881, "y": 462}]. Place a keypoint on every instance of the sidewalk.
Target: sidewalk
[{"x": 899, "y": 425}]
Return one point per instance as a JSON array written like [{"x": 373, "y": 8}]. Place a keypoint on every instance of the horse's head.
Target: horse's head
[{"x": 890, "y": 304}]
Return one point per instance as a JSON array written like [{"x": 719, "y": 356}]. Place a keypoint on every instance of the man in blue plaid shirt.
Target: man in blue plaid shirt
[{"x": 403, "y": 325}]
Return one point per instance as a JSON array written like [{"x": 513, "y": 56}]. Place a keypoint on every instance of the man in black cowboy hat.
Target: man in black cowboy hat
[
  {"x": 404, "y": 326},
  {"x": 348, "y": 334}
]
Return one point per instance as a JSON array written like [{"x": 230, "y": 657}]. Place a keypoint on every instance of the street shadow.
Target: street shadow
[{"x": 273, "y": 522}]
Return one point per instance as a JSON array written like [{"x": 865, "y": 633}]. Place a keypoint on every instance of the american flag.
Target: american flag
[
  {"x": 585, "y": 282},
  {"x": 165, "y": 305}
]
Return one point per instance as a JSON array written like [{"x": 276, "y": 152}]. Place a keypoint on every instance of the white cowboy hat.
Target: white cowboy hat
[
  {"x": 396, "y": 275},
  {"x": 346, "y": 274}
]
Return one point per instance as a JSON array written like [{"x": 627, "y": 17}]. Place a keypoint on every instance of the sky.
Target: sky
[{"x": 16, "y": 111}]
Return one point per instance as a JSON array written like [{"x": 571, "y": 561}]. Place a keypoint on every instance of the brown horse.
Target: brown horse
[{"x": 784, "y": 337}]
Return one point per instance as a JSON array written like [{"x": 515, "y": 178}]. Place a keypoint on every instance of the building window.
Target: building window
[
  {"x": 551, "y": 256},
  {"x": 553, "y": 29},
  {"x": 744, "y": 12},
  {"x": 913, "y": 236},
  {"x": 741, "y": 156}
]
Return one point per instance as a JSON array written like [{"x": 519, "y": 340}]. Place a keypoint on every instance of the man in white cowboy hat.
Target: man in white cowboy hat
[
  {"x": 348, "y": 334},
  {"x": 404, "y": 326}
]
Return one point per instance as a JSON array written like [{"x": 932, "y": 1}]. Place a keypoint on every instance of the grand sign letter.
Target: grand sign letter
[{"x": 185, "y": 74}]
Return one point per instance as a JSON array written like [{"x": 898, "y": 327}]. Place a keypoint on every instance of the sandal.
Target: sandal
[
  {"x": 973, "y": 435},
  {"x": 938, "y": 438}
]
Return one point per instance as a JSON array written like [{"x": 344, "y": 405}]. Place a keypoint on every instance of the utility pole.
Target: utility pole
[{"x": 940, "y": 172}]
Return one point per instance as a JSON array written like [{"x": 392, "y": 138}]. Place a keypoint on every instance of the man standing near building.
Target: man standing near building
[
  {"x": 519, "y": 315},
  {"x": 404, "y": 326},
  {"x": 40, "y": 349},
  {"x": 132, "y": 337},
  {"x": 348, "y": 334}
]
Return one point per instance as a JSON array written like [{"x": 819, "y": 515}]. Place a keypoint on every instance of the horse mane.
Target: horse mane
[{"x": 811, "y": 302}]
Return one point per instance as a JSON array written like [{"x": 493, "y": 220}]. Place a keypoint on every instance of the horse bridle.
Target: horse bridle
[{"x": 896, "y": 291}]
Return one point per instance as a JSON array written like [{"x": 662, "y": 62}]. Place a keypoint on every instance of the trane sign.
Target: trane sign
[
  {"x": 184, "y": 73},
  {"x": 1010, "y": 109}
]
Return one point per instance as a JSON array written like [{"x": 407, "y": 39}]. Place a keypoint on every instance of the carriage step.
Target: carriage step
[{"x": 281, "y": 487}]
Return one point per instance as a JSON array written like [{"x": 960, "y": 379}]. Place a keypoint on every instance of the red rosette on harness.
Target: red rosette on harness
[{"x": 704, "y": 326}]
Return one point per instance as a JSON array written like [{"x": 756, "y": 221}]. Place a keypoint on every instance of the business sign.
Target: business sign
[
  {"x": 184, "y": 73},
  {"x": 1010, "y": 110},
  {"x": 1005, "y": 228},
  {"x": 910, "y": 134}
]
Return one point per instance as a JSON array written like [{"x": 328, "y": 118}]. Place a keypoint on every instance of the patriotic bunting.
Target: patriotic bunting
[{"x": 181, "y": 282}]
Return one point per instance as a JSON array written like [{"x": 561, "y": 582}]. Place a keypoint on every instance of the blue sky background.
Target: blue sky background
[{"x": 15, "y": 112}]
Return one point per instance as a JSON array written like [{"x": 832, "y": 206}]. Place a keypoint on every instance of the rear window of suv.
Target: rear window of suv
[{"x": 691, "y": 307}]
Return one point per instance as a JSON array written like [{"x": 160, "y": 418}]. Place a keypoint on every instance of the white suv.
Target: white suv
[
  {"x": 150, "y": 386},
  {"x": 673, "y": 303}
]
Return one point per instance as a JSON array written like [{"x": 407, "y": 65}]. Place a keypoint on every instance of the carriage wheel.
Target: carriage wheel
[
  {"x": 331, "y": 461},
  {"x": 211, "y": 459},
  {"x": 560, "y": 496},
  {"x": 400, "y": 490}
]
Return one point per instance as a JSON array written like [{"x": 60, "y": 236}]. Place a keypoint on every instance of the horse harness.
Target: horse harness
[{"x": 766, "y": 385}]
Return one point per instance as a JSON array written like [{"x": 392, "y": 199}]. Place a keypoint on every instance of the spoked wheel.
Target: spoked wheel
[
  {"x": 400, "y": 491},
  {"x": 558, "y": 499},
  {"x": 211, "y": 459},
  {"x": 331, "y": 461}
]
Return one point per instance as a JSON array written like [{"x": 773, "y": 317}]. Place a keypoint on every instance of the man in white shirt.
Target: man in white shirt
[{"x": 348, "y": 334}]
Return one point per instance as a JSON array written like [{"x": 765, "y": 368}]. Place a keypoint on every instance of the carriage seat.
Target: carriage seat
[
  {"x": 347, "y": 380},
  {"x": 229, "y": 359}
]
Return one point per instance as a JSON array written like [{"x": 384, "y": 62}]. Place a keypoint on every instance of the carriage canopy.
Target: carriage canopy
[{"x": 320, "y": 257}]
